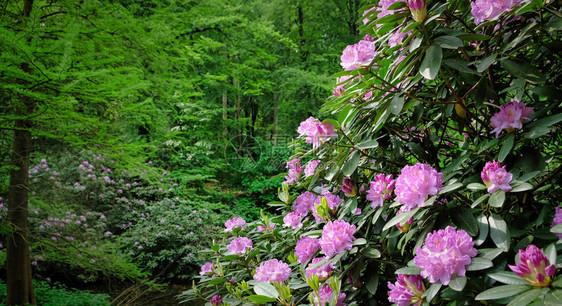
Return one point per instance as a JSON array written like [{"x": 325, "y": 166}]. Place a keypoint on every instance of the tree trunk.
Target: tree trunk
[
  {"x": 224, "y": 114},
  {"x": 275, "y": 117},
  {"x": 18, "y": 260}
]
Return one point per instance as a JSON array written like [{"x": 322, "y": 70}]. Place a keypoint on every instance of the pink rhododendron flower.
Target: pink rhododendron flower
[
  {"x": 418, "y": 9},
  {"x": 293, "y": 220},
  {"x": 534, "y": 267},
  {"x": 304, "y": 203},
  {"x": 490, "y": 9},
  {"x": 337, "y": 237},
  {"x": 445, "y": 255},
  {"x": 340, "y": 89},
  {"x": 316, "y": 132},
  {"x": 557, "y": 219},
  {"x": 326, "y": 294},
  {"x": 295, "y": 171},
  {"x": 273, "y": 270},
  {"x": 240, "y": 246},
  {"x": 322, "y": 270},
  {"x": 510, "y": 117},
  {"x": 380, "y": 189},
  {"x": 496, "y": 177},
  {"x": 359, "y": 55},
  {"x": 310, "y": 167},
  {"x": 264, "y": 229},
  {"x": 207, "y": 268},
  {"x": 216, "y": 300},
  {"x": 306, "y": 247},
  {"x": 234, "y": 223},
  {"x": 407, "y": 290},
  {"x": 415, "y": 183}
]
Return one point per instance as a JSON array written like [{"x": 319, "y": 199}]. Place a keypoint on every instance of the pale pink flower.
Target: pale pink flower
[
  {"x": 273, "y": 270},
  {"x": 207, "y": 268},
  {"x": 534, "y": 267},
  {"x": 240, "y": 246},
  {"x": 326, "y": 294},
  {"x": 306, "y": 247},
  {"x": 234, "y": 223},
  {"x": 496, "y": 177},
  {"x": 407, "y": 290},
  {"x": 489, "y": 9},
  {"x": 310, "y": 167},
  {"x": 293, "y": 220},
  {"x": 380, "y": 189},
  {"x": 510, "y": 117},
  {"x": 445, "y": 255},
  {"x": 359, "y": 55},
  {"x": 397, "y": 37},
  {"x": 337, "y": 237},
  {"x": 295, "y": 171},
  {"x": 263, "y": 229},
  {"x": 415, "y": 183},
  {"x": 316, "y": 132},
  {"x": 304, "y": 203},
  {"x": 322, "y": 270},
  {"x": 340, "y": 89},
  {"x": 557, "y": 219}
]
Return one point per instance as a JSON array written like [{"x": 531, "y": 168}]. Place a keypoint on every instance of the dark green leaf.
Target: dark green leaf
[
  {"x": 260, "y": 299},
  {"x": 486, "y": 62},
  {"x": 458, "y": 283},
  {"x": 508, "y": 277},
  {"x": 545, "y": 122},
  {"x": 523, "y": 70},
  {"x": 502, "y": 292},
  {"x": 372, "y": 253},
  {"x": 459, "y": 64},
  {"x": 473, "y": 37},
  {"x": 396, "y": 104},
  {"x": 489, "y": 253},
  {"x": 448, "y": 42},
  {"x": 464, "y": 219},
  {"x": 430, "y": 293},
  {"x": 351, "y": 164},
  {"x": 483, "y": 228},
  {"x": 409, "y": 271},
  {"x": 479, "y": 263},
  {"x": 499, "y": 232},
  {"x": 526, "y": 297},
  {"x": 506, "y": 147},
  {"x": 218, "y": 280},
  {"x": 373, "y": 283},
  {"x": 431, "y": 62},
  {"x": 497, "y": 199},
  {"x": 369, "y": 144},
  {"x": 550, "y": 92}
]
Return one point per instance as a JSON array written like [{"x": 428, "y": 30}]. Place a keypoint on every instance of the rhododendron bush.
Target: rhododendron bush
[{"x": 437, "y": 183}]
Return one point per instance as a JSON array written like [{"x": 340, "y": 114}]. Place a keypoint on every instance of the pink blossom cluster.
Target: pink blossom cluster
[
  {"x": 304, "y": 203},
  {"x": 234, "y": 223},
  {"x": 295, "y": 171},
  {"x": 489, "y": 9},
  {"x": 322, "y": 270},
  {"x": 216, "y": 300},
  {"x": 510, "y": 117},
  {"x": 415, "y": 183},
  {"x": 407, "y": 290},
  {"x": 305, "y": 249},
  {"x": 332, "y": 200},
  {"x": 382, "y": 9},
  {"x": 240, "y": 246},
  {"x": 557, "y": 219},
  {"x": 310, "y": 167},
  {"x": 343, "y": 82},
  {"x": 358, "y": 55},
  {"x": 293, "y": 220},
  {"x": 207, "y": 269},
  {"x": 263, "y": 229},
  {"x": 534, "y": 267},
  {"x": 380, "y": 189},
  {"x": 316, "y": 132},
  {"x": 397, "y": 37},
  {"x": 325, "y": 294},
  {"x": 496, "y": 177},
  {"x": 444, "y": 255},
  {"x": 273, "y": 270},
  {"x": 337, "y": 237}
]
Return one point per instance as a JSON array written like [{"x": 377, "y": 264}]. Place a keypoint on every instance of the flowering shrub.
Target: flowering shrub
[{"x": 464, "y": 111}]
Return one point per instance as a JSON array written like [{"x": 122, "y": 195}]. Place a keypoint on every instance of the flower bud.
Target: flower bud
[{"x": 418, "y": 8}]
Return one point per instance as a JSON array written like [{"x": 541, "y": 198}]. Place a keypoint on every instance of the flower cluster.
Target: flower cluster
[
  {"x": 234, "y": 223},
  {"x": 207, "y": 268},
  {"x": 293, "y": 220},
  {"x": 510, "y": 117},
  {"x": 534, "y": 267},
  {"x": 337, "y": 237},
  {"x": 305, "y": 249},
  {"x": 340, "y": 91},
  {"x": 557, "y": 219},
  {"x": 407, "y": 290},
  {"x": 380, "y": 189},
  {"x": 326, "y": 294},
  {"x": 415, "y": 183},
  {"x": 359, "y": 55},
  {"x": 304, "y": 203},
  {"x": 445, "y": 254},
  {"x": 383, "y": 9},
  {"x": 216, "y": 300},
  {"x": 316, "y": 132},
  {"x": 295, "y": 171},
  {"x": 310, "y": 167},
  {"x": 321, "y": 267},
  {"x": 240, "y": 246},
  {"x": 273, "y": 270},
  {"x": 489, "y": 9},
  {"x": 264, "y": 229},
  {"x": 496, "y": 177}
]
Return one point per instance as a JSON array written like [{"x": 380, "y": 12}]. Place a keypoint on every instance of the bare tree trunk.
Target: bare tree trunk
[
  {"x": 224, "y": 114},
  {"x": 275, "y": 117}
]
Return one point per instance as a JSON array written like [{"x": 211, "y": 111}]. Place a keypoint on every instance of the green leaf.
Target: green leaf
[
  {"x": 499, "y": 232},
  {"x": 473, "y": 37},
  {"x": 550, "y": 92},
  {"x": 430, "y": 293},
  {"x": 519, "y": 186},
  {"x": 408, "y": 271},
  {"x": 502, "y": 292},
  {"x": 372, "y": 284},
  {"x": 266, "y": 289},
  {"x": 557, "y": 229},
  {"x": 483, "y": 228},
  {"x": 550, "y": 253},
  {"x": 553, "y": 298},
  {"x": 526, "y": 297},
  {"x": 479, "y": 263},
  {"x": 351, "y": 164},
  {"x": 260, "y": 299},
  {"x": 458, "y": 283},
  {"x": 372, "y": 253},
  {"x": 546, "y": 122},
  {"x": 218, "y": 280},
  {"x": 448, "y": 42},
  {"x": 400, "y": 218},
  {"x": 431, "y": 62},
  {"x": 459, "y": 64},
  {"x": 537, "y": 132},
  {"x": 554, "y": 25},
  {"x": 476, "y": 186},
  {"x": 464, "y": 219},
  {"x": 506, "y": 148},
  {"x": 369, "y": 144},
  {"x": 523, "y": 70},
  {"x": 508, "y": 277},
  {"x": 489, "y": 253},
  {"x": 450, "y": 188},
  {"x": 486, "y": 62},
  {"x": 396, "y": 104},
  {"x": 360, "y": 241},
  {"x": 497, "y": 199}
]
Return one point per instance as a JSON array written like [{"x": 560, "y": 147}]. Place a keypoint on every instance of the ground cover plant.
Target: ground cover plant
[{"x": 438, "y": 181}]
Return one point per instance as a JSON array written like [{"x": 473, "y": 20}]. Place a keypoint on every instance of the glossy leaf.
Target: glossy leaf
[
  {"x": 431, "y": 62},
  {"x": 501, "y": 292}
]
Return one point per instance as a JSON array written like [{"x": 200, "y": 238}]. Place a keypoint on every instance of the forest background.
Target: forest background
[{"x": 135, "y": 128}]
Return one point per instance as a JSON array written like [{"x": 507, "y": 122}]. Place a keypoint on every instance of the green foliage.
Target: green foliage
[{"x": 56, "y": 294}]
